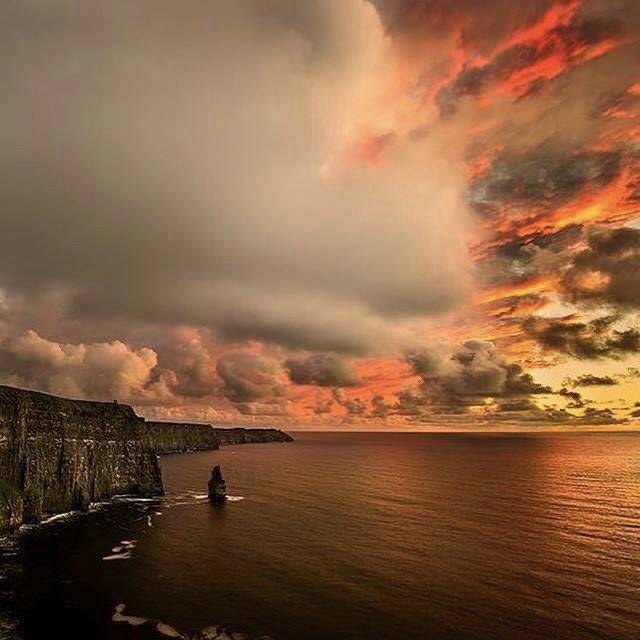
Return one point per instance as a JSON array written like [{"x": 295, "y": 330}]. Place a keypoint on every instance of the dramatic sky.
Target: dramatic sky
[{"x": 342, "y": 213}]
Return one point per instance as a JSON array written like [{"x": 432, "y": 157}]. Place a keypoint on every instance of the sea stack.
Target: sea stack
[{"x": 217, "y": 486}]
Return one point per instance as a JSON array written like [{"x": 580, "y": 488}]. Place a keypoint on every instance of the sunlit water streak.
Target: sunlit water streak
[{"x": 354, "y": 536}]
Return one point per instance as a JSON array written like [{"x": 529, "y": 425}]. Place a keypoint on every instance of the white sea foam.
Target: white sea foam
[
  {"x": 60, "y": 516},
  {"x": 134, "y": 621},
  {"x": 168, "y": 630},
  {"x": 234, "y": 498},
  {"x": 118, "y": 556}
]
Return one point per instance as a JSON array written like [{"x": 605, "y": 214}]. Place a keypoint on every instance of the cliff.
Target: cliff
[
  {"x": 59, "y": 455},
  {"x": 240, "y": 435},
  {"x": 178, "y": 437}
]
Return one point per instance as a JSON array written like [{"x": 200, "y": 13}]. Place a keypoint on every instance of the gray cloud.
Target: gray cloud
[
  {"x": 184, "y": 168},
  {"x": 473, "y": 373},
  {"x": 321, "y": 369},
  {"x": 475, "y": 369},
  {"x": 608, "y": 270},
  {"x": 592, "y": 340},
  {"x": 249, "y": 378},
  {"x": 545, "y": 176},
  {"x": 574, "y": 398},
  {"x": 590, "y": 380}
]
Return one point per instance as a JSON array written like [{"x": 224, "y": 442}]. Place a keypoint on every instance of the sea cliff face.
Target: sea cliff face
[
  {"x": 58, "y": 455},
  {"x": 178, "y": 437},
  {"x": 241, "y": 435}
]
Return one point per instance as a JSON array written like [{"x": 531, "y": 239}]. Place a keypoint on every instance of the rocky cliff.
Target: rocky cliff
[
  {"x": 240, "y": 435},
  {"x": 178, "y": 437},
  {"x": 60, "y": 455}
]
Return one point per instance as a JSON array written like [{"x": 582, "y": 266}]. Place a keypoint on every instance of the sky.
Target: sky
[{"x": 384, "y": 214}]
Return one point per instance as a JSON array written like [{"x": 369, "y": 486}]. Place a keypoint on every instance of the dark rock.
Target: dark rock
[
  {"x": 10, "y": 506},
  {"x": 32, "y": 507},
  {"x": 217, "y": 486}
]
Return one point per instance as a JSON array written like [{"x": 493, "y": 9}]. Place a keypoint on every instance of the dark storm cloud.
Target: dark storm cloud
[
  {"x": 172, "y": 163},
  {"x": 321, "y": 369},
  {"x": 593, "y": 340},
  {"x": 574, "y": 398},
  {"x": 543, "y": 177},
  {"x": 520, "y": 404},
  {"x": 590, "y": 380},
  {"x": 608, "y": 270},
  {"x": 520, "y": 259}
]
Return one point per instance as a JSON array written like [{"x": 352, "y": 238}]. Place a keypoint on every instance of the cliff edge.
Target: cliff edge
[
  {"x": 60, "y": 455},
  {"x": 179, "y": 437}
]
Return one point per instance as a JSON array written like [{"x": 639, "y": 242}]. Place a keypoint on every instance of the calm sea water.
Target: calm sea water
[{"x": 356, "y": 536}]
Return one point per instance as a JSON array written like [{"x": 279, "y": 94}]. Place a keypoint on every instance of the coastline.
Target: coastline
[{"x": 59, "y": 455}]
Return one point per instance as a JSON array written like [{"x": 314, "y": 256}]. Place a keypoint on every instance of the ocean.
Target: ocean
[{"x": 376, "y": 536}]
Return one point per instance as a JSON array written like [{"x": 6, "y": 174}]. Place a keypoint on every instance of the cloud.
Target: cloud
[
  {"x": 475, "y": 369},
  {"x": 592, "y": 340},
  {"x": 473, "y": 372},
  {"x": 190, "y": 360},
  {"x": 590, "y": 380},
  {"x": 379, "y": 408},
  {"x": 354, "y": 406},
  {"x": 251, "y": 380},
  {"x": 543, "y": 177},
  {"x": 203, "y": 180},
  {"x": 321, "y": 369},
  {"x": 323, "y": 405},
  {"x": 524, "y": 67},
  {"x": 608, "y": 270},
  {"x": 575, "y": 400},
  {"x": 102, "y": 371}
]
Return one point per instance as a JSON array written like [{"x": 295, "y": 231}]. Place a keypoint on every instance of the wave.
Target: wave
[{"x": 213, "y": 632}]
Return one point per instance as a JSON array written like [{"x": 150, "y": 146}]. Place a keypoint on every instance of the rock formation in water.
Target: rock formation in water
[
  {"x": 217, "y": 486},
  {"x": 59, "y": 455}
]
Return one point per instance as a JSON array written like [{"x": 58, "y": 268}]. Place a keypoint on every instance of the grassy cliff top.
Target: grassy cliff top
[
  {"x": 12, "y": 399},
  {"x": 179, "y": 425}
]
